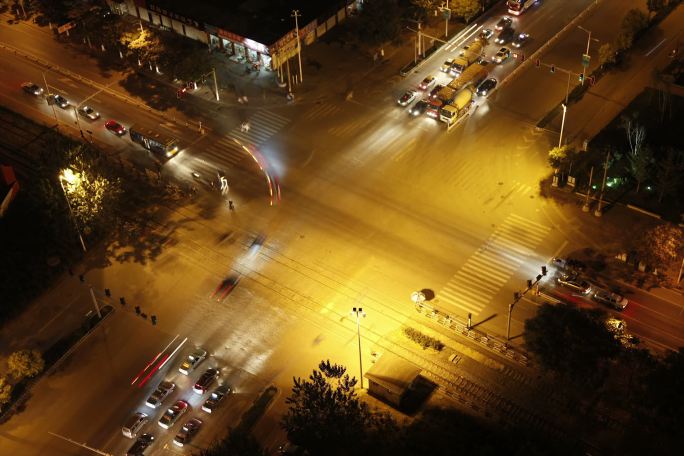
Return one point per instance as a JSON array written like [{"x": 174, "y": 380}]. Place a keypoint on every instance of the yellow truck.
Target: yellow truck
[
  {"x": 470, "y": 54},
  {"x": 472, "y": 76},
  {"x": 457, "y": 108}
]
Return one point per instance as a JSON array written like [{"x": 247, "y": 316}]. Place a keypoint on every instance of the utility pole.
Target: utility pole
[
  {"x": 296, "y": 15},
  {"x": 585, "y": 207},
  {"x": 598, "y": 212},
  {"x": 52, "y": 105},
  {"x": 359, "y": 313}
]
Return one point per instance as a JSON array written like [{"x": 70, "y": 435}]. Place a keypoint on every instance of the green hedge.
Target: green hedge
[{"x": 422, "y": 339}]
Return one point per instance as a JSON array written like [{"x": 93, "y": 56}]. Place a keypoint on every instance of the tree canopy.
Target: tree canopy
[
  {"x": 571, "y": 341},
  {"x": 25, "y": 363},
  {"x": 325, "y": 415}
]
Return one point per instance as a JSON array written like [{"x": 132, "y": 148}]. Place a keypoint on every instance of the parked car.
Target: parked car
[
  {"x": 115, "y": 127},
  {"x": 140, "y": 445},
  {"x": 173, "y": 414},
  {"x": 610, "y": 299},
  {"x": 435, "y": 90},
  {"x": 506, "y": 36},
  {"x": 418, "y": 108},
  {"x": 187, "y": 432},
  {"x": 133, "y": 425},
  {"x": 520, "y": 40},
  {"x": 88, "y": 112},
  {"x": 446, "y": 66},
  {"x": 427, "y": 83},
  {"x": 216, "y": 398},
  {"x": 504, "y": 23},
  {"x": 567, "y": 264},
  {"x": 205, "y": 381},
  {"x": 486, "y": 34},
  {"x": 407, "y": 98},
  {"x": 192, "y": 361},
  {"x": 502, "y": 55},
  {"x": 157, "y": 397},
  {"x": 486, "y": 86},
  {"x": 33, "y": 89},
  {"x": 59, "y": 100},
  {"x": 573, "y": 282}
]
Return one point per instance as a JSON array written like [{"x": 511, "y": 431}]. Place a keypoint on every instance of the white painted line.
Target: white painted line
[{"x": 655, "y": 47}]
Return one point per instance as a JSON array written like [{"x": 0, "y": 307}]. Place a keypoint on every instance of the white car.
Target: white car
[
  {"x": 407, "y": 98},
  {"x": 192, "y": 361},
  {"x": 427, "y": 83},
  {"x": 446, "y": 66},
  {"x": 162, "y": 392},
  {"x": 88, "y": 112},
  {"x": 607, "y": 298}
]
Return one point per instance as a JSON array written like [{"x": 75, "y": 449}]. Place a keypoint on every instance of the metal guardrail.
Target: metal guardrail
[{"x": 486, "y": 340}]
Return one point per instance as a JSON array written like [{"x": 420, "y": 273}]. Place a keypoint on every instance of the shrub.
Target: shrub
[
  {"x": 423, "y": 340},
  {"x": 25, "y": 363}
]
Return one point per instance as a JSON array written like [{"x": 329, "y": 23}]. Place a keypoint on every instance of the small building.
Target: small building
[
  {"x": 9, "y": 187},
  {"x": 391, "y": 378}
]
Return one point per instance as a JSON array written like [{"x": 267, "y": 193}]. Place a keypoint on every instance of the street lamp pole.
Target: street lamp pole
[
  {"x": 560, "y": 138},
  {"x": 359, "y": 313},
  {"x": 447, "y": 13},
  {"x": 71, "y": 213},
  {"x": 296, "y": 15}
]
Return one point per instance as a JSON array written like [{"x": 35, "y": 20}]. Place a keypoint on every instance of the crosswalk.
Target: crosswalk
[
  {"x": 487, "y": 270},
  {"x": 349, "y": 127},
  {"x": 209, "y": 157},
  {"x": 322, "y": 110}
]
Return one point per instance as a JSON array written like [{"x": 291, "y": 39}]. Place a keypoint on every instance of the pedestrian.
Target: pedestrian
[{"x": 230, "y": 205}]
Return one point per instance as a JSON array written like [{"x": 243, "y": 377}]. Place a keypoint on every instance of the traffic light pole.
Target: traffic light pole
[{"x": 517, "y": 296}]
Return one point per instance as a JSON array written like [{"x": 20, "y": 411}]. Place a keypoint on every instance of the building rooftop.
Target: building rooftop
[
  {"x": 393, "y": 373},
  {"x": 264, "y": 21}
]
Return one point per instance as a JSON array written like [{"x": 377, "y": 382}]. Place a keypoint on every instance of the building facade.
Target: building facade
[{"x": 235, "y": 29}]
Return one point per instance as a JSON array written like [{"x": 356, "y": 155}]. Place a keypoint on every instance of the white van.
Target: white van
[{"x": 134, "y": 424}]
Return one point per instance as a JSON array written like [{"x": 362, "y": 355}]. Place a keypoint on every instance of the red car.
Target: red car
[{"x": 116, "y": 127}]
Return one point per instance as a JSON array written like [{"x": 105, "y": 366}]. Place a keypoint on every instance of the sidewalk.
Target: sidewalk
[{"x": 612, "y": 93}]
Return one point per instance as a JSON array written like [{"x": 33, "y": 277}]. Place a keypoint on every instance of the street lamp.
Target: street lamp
[
  {"x": 359, "y": 313},
  {"x": 71, "y": 179},
  {"x": 586, "y": 57}
]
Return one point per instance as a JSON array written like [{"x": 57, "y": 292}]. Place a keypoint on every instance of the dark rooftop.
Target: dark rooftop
[{"x": 264, "y": 21}]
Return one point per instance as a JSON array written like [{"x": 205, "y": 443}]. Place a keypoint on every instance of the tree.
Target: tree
[
  {"x": 467, "y": 9},
  {"x": 5, "y": 391},
  {"x": 654, "y": 6},
  {"x": 639, "y": 165},
  {"x": 25, "y": 363},
  {"x": 427, "y": 6},
  {"x": 558, "y": 155},
  {"x": 379, "y": 21},
  {"x": 606, "y": 54},
  {"x": 633, "y": 23},
  {"x": 325, "y": 416},
  {"x": 662, "y": 245},
  {"x": 571, "y": 342},
  {"x": 669, "y": 173},
  {"x": 144, "y": 44}
]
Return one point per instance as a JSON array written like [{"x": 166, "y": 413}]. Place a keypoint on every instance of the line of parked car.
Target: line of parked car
[
  {"x": 84, "y": 111},
  {"x": 172, "y": 415},
  {"x": 571, "y": 277}
]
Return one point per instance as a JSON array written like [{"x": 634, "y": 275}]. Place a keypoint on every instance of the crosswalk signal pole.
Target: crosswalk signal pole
[{"x": 296, "y": 15}]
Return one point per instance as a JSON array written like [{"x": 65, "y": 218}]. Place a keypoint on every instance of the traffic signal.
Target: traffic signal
[
  {"x": 581, "y": 78},
  {"x": 538, "y": 63},
  {"x": 153, "y": 319},
  {"x": 543, "y": 270},
  {"x": 529, "y": 283},
  {"x": 553, "y": 68}
]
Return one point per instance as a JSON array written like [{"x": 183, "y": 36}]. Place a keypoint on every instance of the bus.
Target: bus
[
  {"x": 517, "y": 7},
  {"x": 162, "y": 146}
]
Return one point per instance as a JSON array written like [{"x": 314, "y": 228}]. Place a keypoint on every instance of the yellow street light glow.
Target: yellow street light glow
[{"x": 71, "y": 177}]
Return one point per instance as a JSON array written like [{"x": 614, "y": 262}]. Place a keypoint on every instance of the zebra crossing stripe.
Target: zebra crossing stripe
[
  {"x": 456, "y": 299},
  {"x": 519, "y": 236},
  {"x": 492, "y": 273}
]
